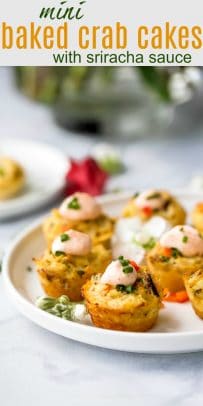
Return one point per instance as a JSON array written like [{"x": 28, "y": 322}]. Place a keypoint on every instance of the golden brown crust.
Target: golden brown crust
[
  {"x": 12, "y": 178},
  {"x": 66, "y": 274},
  {"x": 168, "y": 272},
  {"x": 172, "y": 211},
  {"x": 100, "y": 229},
  {"x": 197, "y": 217},
  {"x": 116, "y": 310},
  {"x": 194, "y": 287}
]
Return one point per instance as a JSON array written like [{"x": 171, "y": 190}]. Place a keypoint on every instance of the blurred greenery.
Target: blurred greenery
[{"x": 44, "y": 83}]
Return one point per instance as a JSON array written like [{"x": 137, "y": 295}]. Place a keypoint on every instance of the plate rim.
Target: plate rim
[
  {"x": 40, "y": 317},
  {"x": 51, "y": 195}
]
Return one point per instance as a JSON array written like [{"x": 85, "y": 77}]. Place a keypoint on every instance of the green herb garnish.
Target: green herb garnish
[
  {"x": 149, "y": 244},
  {"x": 176, "y": 253},
  {"x": 125, "y": 264},
  {"x": 129, "y": 289},
  {"x": 126, "y": 289},
  {"x": 163, "y": 258},
  {"x": 59, "y": 253},
  {"x": 74, "y": 204},
  {"x": 2, "y": 172},
  {"x": 123, "y": 261},
  {"x": 64, "y": 237},
  {"x": 185, "y": 239},
  {"x": 128, "y": 269}
]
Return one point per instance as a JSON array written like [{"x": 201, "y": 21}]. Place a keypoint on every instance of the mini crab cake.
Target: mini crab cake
[
  {"x": 70, "y": 263},
  {"x": 12, "y": 178},
  {"x": 81, "y": 212},
  {"x": 123, "y": 298},
  {"x": 197, "y": 217},
  {"x": 155, "y": 202},
  {"x": 179, "y": 252},
  {"x": 194, "y": 288}
]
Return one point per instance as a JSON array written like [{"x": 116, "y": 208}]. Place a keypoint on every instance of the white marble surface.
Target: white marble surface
[{"x": 37, "y": 367}]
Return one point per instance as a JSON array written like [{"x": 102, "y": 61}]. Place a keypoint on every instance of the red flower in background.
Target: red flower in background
[{"x": 86, "y": 176}]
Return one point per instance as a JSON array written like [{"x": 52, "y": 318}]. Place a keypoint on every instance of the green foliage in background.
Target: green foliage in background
[{"x": 44, "y": 83}]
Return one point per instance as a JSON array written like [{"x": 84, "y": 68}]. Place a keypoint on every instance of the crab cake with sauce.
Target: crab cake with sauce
[
  {"x": 82, "y": 213},
  {"x": 155, "y": 202},
  {"x": 179, "y": 252},
  {"x": 12, "y": 178},
  {"x": 123, "y": 298},
  {"x": 70, "y": 263}
]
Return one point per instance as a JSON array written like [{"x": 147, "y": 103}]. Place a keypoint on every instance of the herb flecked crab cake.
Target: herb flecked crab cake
[
  {"x": 12, "y": 178},
  {"x": 123, "y": 298},
  {"x": 179, "y": 252},
  {"x": 70, "y": 263},
  {"x": 197, "y": 217},
  {"x": 194, "y": 288},
  {"x": 82, "y": 213},
  {"x": 155, "y": 202}
]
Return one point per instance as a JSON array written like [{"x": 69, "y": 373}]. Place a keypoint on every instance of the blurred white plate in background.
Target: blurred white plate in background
[
  {"x": 178, "y": 328},
  {"x": 45, "y": 167}
]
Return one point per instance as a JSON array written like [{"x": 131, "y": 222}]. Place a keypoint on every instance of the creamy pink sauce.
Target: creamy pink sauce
[
  {"x": 154, "y": 203},
  {"x": 114, "y": 275},
  {"x": 77, "y": 244},
  {"x": 88, "y": 209},
  {"x": 184, "y": 238}
]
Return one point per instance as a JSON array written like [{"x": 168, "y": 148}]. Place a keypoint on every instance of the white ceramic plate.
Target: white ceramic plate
[
  {"x": 178, "y": 328},
  {"x": 45, "y": 167}
]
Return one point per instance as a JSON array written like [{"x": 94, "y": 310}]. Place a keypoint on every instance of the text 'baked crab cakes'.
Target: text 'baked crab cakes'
[
  {"x": 12, "y": 178},
  {"x": 123, "y": 298},
  {"x": 179, "y": 252},
  {"x": 70, "y": 263},
  {"x": 194, "y": 288},
  {"x": 197, "y": 217},
  {"x": 82, "y": 213},
  {"x": 155, "y": 202}
]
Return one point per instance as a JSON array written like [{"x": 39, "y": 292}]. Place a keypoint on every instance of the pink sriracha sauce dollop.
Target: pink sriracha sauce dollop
[
  {"x": 184, "y": 238},
  {"x": 80, "y": 206},
  {"x": 72, "y": 243},
  {"x": 114, "y": 275},
  {"x": 150, "y": 198}
]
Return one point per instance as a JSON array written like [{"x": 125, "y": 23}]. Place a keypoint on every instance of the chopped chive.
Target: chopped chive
[
  {"x": 59, "y": 253},
  {"x": 120, "y": 288},
  {"x": 124, "y": 262},
  {"x": 128, "y": 269},
  {"x": 125, "y": 289},
  {"x": 176, "y": 253},
  {"x": 185, "y": 239},
  {"x": 129, "y": 289},
  {"x": 64, "y": 237},
  {"x": 163, "y": 258},
  {"x": 149, "y": 244},
  {"x": 74, "y": 204}
]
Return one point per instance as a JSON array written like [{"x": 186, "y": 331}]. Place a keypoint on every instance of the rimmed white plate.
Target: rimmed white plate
[
  {"x": 45, "y": 167},
  {"x": 178, "y": 328}
]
